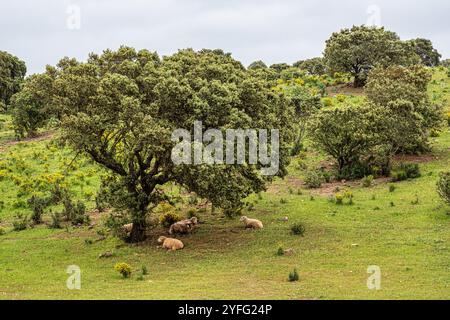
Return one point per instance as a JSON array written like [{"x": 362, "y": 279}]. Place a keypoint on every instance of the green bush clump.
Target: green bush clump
[
  {"x": 327, "y": 102},
  {"x": 298, "y": 229},
  {"x": 21, "y": 222},
  {"x": 443, "y": 186},
  {"x": 293, "y": 276},
  {"x": 313, "y": 179},
  {"x": 193, "y": 213},
  {"x": 367, "y": 181},
  {"x": 340, "y": 197},
  {"x": 169, "y": 218},
  {"x": 280, "y": 251},
  {"x": 124, "y": 269},
  {"x": 37, "y": 205},
  {"x": 56, "y": 220},
  {"x": 405, "y": 171},
  {"x": 144, "y": 270},
  {"x": 2, "y": 231}
]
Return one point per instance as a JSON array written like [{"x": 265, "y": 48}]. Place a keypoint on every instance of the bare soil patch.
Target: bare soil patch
[
  {"x": 424, "y": 158},
  {"x": 43, "y": 136}
]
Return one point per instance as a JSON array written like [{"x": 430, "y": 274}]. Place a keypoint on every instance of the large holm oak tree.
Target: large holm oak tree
[
  {"x": 361, "y": 48},
  {"x": 12, "y": 72},
  {"x": 429, "y": 56},
  {"x": 121, "y": 107}
]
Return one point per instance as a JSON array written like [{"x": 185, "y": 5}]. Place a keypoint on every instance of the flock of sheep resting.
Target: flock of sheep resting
[{"x": 187, "y": 226}]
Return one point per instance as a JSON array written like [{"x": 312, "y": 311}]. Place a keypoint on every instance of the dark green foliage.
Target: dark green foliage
[
  {"x": 429, "y": 56},
  {"x": 12, "y": 73},
  {"x": 443, "y": 186},
  {"x": 298, "y": 229},
  {"x": 193, "y": 213},
  {"x": 136, "y": 99},
  {"x": 367, "y": 181},
  {"x": 279, "y": 67},
  {"x": 405, "y": 116},
  {"x": 144, "y": 270},
  {"x": 56, "y": 220},
  {"x": 21, "y": 222},
  {"x": 405, "y": 171},
  {"x": 359, "y": 49},
  {"x": 257, "y": 65},
  {"x": 280, "y": 251},
  {"x": 346, "y": 134},
  {"x": 314, "y": 66},
  {"x": 37, "y": 205},
  {"x": 31, "y": 106},
  {"x": 293, "y": 276}
]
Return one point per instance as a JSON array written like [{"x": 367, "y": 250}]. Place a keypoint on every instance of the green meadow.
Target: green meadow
[{"x": 404, "y": 230}]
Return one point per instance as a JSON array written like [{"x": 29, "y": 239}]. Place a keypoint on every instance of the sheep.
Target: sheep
[
  {"x": 170, "y": 243},
  {"x": 251, "y": 223},
  {"x": 127, "y": 228},
  {"x": 183, "y": 227}
]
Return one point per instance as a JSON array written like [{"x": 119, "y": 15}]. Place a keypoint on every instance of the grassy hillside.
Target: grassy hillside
[{"x": 405, "y": 232}]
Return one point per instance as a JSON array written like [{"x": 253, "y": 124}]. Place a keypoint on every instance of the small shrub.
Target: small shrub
[
  {"x": 406, "y": 171},
  {"x": 88, "y": 241},
  {"x": 415, "y": 201},
  {"x": 293, "y": 276},
  {"x": 124, "y": 269},
  {"x": 21, "y": 222},
  {"x": 339, "y": 198},
  {"x": 443, "y": 186},
  {"x": 392, "y": 188},
  {"x": 169, "y": 218},
  {"x": 367, "y": 181},
  {"x": 192, "y": 213},
  {"x": 340, "y": 97},
  {"x": 283, "y": 201},
  {"x": 37, "y": 206},
  {"x": 115, "y": 221},
  {"x": 327, "y": 102},
  {"x": 140, "y": 277},
  {"x": 19, "y": 204},
  {"x": 448, "y": 118},
  {"x": 193, "y": 200},
  {"x": 280, "y": 251},
  {"x": 326, "y": 176},
  {"x": 298, "y": 229},
  {"x": 56, "y": 220},
  {"x": 79, "y": 214},
  {"x": 297, "y": 148},
  {"x": 2, "y": 231},
  {"x": 144, "y": 270},
  {"x": 313, "y": 179}
]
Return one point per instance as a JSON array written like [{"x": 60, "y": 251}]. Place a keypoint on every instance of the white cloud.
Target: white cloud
[{"x": 274, "y": 31}]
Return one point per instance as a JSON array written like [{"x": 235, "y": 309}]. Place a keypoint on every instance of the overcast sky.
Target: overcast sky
[{"x": 43, "y": 31}]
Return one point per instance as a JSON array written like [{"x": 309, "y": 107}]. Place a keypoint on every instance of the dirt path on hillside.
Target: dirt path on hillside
[{"x": 44, "y": 136}]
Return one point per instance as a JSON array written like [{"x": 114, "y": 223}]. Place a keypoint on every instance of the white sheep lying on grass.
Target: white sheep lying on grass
[
  {"x": 184, "y": 226},
  {"x": 251, "y": 223},
  {"x": 171, "y": 243}
]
